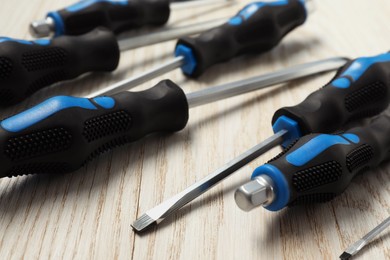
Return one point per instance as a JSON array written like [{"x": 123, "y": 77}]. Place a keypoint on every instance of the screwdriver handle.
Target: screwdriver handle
[
  {"x": 360, "y": 89},
  {"x": 257, "y": 28},
  {"x": 117, "y": 16},
  {"x": 63, "y": 133},
  {"x": 27, "y": 66},
  {"x": 321, "y": 166}
]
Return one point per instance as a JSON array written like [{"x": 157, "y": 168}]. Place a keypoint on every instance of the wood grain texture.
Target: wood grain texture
[{"x": 87, "y": 214}]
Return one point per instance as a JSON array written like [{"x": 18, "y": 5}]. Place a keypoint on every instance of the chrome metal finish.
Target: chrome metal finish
[
  {"x": 159, "y": 213},
  {"x": 42, "y": 28},
  {"x": 357, "y": 246},
  {"x": 142, "y": 78},
  {"x": 196, "y": 3},
  {"x": 258, "y": 192},
  {"x": 167, "y": 34},
  {"x": 244, "y": 86}
]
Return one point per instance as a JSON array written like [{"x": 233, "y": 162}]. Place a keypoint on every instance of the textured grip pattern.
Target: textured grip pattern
[
  {"x": 77, "y": 130},
  {"x": 317, "y": 176},
  {"x": 106, "y": 125},
  {"x": 5, "y": 68},
  {"x": 38, "y": 143},
  {"x": 365, "y": 96},
  {"x": 359, "y": 157},
  {"x": 26, "y": 67},
  {"x": 44, "y": 59}
]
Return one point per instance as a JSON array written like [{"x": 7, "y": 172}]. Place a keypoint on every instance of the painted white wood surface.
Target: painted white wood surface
[{"x": 87, "y": 214}]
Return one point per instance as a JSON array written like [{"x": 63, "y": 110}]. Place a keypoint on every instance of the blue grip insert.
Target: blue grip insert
[
  {"x": 292, "y": 127},
  {"x": 42, "y": 42},
  {"x": 317, "y": 145},
  {"x": 44, "y": 110},
  {"x": 281, "y": 190},
  {"x": 86, "y": 3},
  {"x": 189, "y": 59},
  {"x": 357, "y": 69},
  {"x": 58, "y": 23},
  {"x": 251, "y": 9}
]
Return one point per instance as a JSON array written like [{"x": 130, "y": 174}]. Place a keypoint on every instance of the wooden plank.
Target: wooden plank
[{"x": 87, "y": 214}]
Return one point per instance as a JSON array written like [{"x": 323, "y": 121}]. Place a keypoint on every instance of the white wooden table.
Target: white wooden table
[{"x": 87, "y": 214}]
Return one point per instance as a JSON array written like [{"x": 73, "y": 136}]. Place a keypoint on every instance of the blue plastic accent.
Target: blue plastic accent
[
  {"x": 352, "y": 138},
  {"x": 86, "y": 3},
  {"x": 291, "y": 126},
  {"x": 341, "y": 83},
  {"x": 281, "y": 189},
  {"x": 43, "y": 42},
  {"x": 105, "y": 102},
  {"x": 316, "y": 146},
  {"x": 190, "y": 62},
  {"x": 6, "y": 39},
  {"x": 44, "y": 110},
  {"x": 357, "y": 69},
  {"x": 39, "y": 42},
  {"x": 235, "y": 20},
  {"x": 251, "y": 9},
  {"x": 58, "y": 23}
]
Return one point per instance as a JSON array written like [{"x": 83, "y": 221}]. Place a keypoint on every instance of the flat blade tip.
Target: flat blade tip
[
  {"x": 143, "y": 223},
  {"x": 345, "y": 256}
]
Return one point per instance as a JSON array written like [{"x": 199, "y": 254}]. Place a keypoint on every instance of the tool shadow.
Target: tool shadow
[
  {"x": 308, "y": 224},
  {"x": 283, "y": 53},
  {"x": 211, "y": 196},
  {"x": 27, "y": 190},
  {"x": 20, "y": 194}
]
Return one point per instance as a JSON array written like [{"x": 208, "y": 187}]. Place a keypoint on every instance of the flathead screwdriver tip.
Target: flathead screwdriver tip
[
  {"x": 42, "y": 28},
  {"x": 345, "y": 256},
  {"x": 258, "y": 192},
  {"x": 142, "y": 223}
]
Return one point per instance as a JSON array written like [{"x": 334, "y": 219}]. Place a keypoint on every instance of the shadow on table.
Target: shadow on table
[
  {"x": 286, "y": 50},
  {"x": 25, "y": 192},
  {"x": 305, "y": 224}
]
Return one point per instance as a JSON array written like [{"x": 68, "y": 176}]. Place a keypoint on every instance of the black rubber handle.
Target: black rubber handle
[
  {"x": 63, "y": 133},
  {"x": 26, "y": 67},
  {"x": 321, "y": 166},
  {"x": 257, "y": 28},
  {"x": 117, "y": 16},
  {"x": 360, "y": 89}
]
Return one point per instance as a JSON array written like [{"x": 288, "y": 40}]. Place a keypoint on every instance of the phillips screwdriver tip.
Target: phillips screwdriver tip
[
  {"x": 258, "y": 192},
  {"x": 42, "y": 28}
]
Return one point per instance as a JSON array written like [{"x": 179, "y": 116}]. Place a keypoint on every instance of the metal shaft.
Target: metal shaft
[
  {"x": 137, "y": 80},
  {"x": 167, "y": 34},
  {"x": 357, "y": 246},
  {"x": 163, "y": 210},
  {"x": 196, "y": 3},
  {"x": 244, "y": 86},
  {"x": 216, "y": 93}
]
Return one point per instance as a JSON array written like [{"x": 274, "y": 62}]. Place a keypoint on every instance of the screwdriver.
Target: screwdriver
[
  {"x": 63, "y": 133},
  {"x": 116, "y": 15},
  {"x": 257, "y": 28},
  {"x": 360, "y": 89},
  {"x": 28, "y": 66},
  {"x": 317, "y": 168},
  {"x": 356, "y": 247}
]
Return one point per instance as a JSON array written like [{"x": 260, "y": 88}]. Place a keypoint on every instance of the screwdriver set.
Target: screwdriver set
[{"x": 322, "y": 152}]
